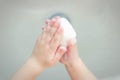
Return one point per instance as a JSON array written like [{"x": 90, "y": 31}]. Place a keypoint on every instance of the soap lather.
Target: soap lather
[{"x": 68, "y": 33}]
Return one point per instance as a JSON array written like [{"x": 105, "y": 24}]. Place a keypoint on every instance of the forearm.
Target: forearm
[
  {"x": 78, "y": 71},
  {"x": 29, "y": 71}
]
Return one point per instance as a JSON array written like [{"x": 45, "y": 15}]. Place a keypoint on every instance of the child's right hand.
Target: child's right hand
[{"x": 71, "y": 56}]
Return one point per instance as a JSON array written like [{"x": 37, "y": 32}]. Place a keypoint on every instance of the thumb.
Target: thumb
[
  {"x": 59, "y": 53},
  {"x": 72, "y": 45}
]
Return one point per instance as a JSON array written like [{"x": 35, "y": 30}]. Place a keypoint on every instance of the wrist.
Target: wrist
[
  {"x": 35, "y": 64},
  {"x": 30, "y": 70},
  {"x": 74, "y": 63}
]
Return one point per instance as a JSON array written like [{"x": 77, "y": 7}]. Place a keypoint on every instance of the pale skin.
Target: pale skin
[{"x": 48, "y": 52}]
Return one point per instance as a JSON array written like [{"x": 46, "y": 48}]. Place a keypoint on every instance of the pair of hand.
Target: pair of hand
[{"x": 48, "y": 51}]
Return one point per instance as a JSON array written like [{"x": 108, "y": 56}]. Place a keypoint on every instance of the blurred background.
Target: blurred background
[{"x": 97, "y": 23}]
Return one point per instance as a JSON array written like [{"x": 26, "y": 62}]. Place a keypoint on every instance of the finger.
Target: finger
[
  {"x": 47, "y": 21},
  {"x": 49, "y": 33},
  {"x": 54, "y": 28},
  {"x": 52, "y": 22},
  {"x": 59, "y": 53},
  {"x": 56, "y": 40},
  {"x": 72, "y": 41},
  {"x": 72, "y": 46},
  {"x": 52, "y": 31},
  {"x": 43, "y": 32},
  {"x": 57, "y": 23},
  {"x": 46, "y": 34}
]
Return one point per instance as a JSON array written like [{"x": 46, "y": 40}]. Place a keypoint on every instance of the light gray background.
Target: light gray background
[{"x": 97, "y": 23}]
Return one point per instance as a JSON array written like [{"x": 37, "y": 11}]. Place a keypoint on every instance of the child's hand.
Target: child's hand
[
  {"x": 71, "y": 56},
  {"x": 47, "y": 50}
]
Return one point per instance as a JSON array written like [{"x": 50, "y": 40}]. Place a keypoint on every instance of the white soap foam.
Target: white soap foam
[{"x": 69, "y": 32}]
